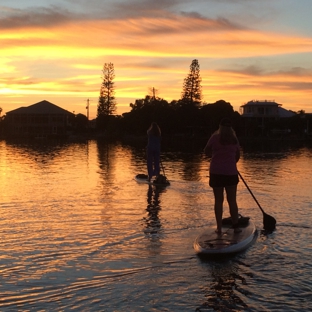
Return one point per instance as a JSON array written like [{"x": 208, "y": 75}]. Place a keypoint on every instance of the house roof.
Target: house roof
[
  {"x": 262, "y": 103},
  {"x": 43, "y": 107},
  {"x": 284, "y": 113}
]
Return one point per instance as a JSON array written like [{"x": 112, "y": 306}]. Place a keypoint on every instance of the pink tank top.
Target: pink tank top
[{"x": 223, "y": 159}]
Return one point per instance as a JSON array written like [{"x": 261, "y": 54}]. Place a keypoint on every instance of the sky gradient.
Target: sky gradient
[{"x": 246, "y": 49}]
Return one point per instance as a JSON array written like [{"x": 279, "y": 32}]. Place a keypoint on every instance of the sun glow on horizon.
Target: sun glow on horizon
[{"x": 63, "y": 60}]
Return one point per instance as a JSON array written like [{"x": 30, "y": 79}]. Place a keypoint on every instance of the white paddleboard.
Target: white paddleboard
[
  {"x": 211, "y": 243},
  {"x": 143, "y": 178}
]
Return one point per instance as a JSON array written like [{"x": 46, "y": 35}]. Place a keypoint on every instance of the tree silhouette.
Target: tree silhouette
[
  {"x": 191, "y": 93},
  {"x": 80, "y": 123},
  {"x": 107, "y": 102}
]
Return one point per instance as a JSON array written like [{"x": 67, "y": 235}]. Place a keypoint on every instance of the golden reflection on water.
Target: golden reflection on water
[{"x": 72, "y": 215}]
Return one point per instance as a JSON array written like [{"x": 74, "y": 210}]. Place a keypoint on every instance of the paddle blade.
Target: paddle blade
[{"x": 268, "y": 222}]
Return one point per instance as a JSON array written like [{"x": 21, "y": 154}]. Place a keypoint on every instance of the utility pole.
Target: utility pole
[
  {"x": 87, "y": 108},
  {"x": 153, "y": 91}
]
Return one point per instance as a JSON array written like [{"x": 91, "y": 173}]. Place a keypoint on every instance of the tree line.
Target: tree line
[
  {"x": 188, "y": 116},
  {"x": 183, "y": 116}
]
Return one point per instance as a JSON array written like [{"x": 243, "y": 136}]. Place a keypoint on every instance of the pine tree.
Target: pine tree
[
  {"x": 191, "y": 87},
  {"x": 107, "y": 101}
]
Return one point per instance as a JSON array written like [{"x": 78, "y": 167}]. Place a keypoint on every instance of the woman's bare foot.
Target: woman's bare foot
[{"x": 236, "y": 228}]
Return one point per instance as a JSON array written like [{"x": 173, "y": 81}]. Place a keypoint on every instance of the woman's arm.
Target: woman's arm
[
  {"x": 237, "y": 156},
  {"x": 208, "y": 147},
  {"x": 207, "y": 150}
]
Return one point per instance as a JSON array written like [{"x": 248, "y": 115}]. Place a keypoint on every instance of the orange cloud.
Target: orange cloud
[{"x": 63, "y": 58}]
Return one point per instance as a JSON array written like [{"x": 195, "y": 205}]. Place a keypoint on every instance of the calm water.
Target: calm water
[{"x": 78, "y": 233}]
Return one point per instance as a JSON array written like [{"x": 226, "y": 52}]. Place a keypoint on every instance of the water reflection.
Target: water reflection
[
  {"x": 191, "y": 168},
  {"x": 44, "y": 153},
  {"x": 72, "y": 216},
  {"x": 106, "y": 159},
  {"x": 223, "y": 290},
  {"x": 191, "y": 164},
  {"x": 265, "y": 146},
  {"x": 152, "y": 220}
]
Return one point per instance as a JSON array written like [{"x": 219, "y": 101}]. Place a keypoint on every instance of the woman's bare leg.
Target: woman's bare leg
[
  {"x": 231, "y": 199},
  {"x": 219, "y": 198}
]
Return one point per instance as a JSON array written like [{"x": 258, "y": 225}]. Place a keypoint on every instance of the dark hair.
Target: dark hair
[
  {"x": 226, "y": 122},
  {"x": 226, "y": 132},
  {"x": 154, "y": 129}
]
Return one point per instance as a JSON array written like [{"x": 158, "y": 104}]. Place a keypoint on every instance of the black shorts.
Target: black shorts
[{"x": 221, "y": 180}]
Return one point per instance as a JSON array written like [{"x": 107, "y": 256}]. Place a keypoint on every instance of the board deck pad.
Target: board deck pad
[
  {"x": 211, "y": 243},
  {"x": 143, "y": 178}
]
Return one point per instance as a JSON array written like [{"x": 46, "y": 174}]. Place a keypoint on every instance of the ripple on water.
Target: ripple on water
[{"x": 78, "y": 233}]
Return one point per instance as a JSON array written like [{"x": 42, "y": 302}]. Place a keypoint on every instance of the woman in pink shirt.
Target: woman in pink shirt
[{"x": 224, "y": 149}]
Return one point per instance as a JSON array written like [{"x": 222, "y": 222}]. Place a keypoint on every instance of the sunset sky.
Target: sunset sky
[{"x": 55, "y": 50}]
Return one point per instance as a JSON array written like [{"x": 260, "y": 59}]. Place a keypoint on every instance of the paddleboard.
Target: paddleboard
[
  {"x": 143, "y": 178},
  {"x": 211, "y": 243}
]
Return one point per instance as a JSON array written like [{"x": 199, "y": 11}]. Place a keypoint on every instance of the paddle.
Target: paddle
[
  {"x": 268, "y": 221},
  {"x": 163, "y": 179},
  {"x": 162, "y": 167}
]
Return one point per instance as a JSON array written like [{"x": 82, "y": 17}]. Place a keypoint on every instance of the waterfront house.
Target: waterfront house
[
  {"x": 262, "y": 118},
  {"x": 40, "y": 120},
  {"x": 264, "y": 109}
]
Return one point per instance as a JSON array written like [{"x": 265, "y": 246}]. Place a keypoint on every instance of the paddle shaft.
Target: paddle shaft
[
  {"x": 268, "y": 221},
  {"x": 251, "y": 193},
  {"x": 162, "y": 167}
]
